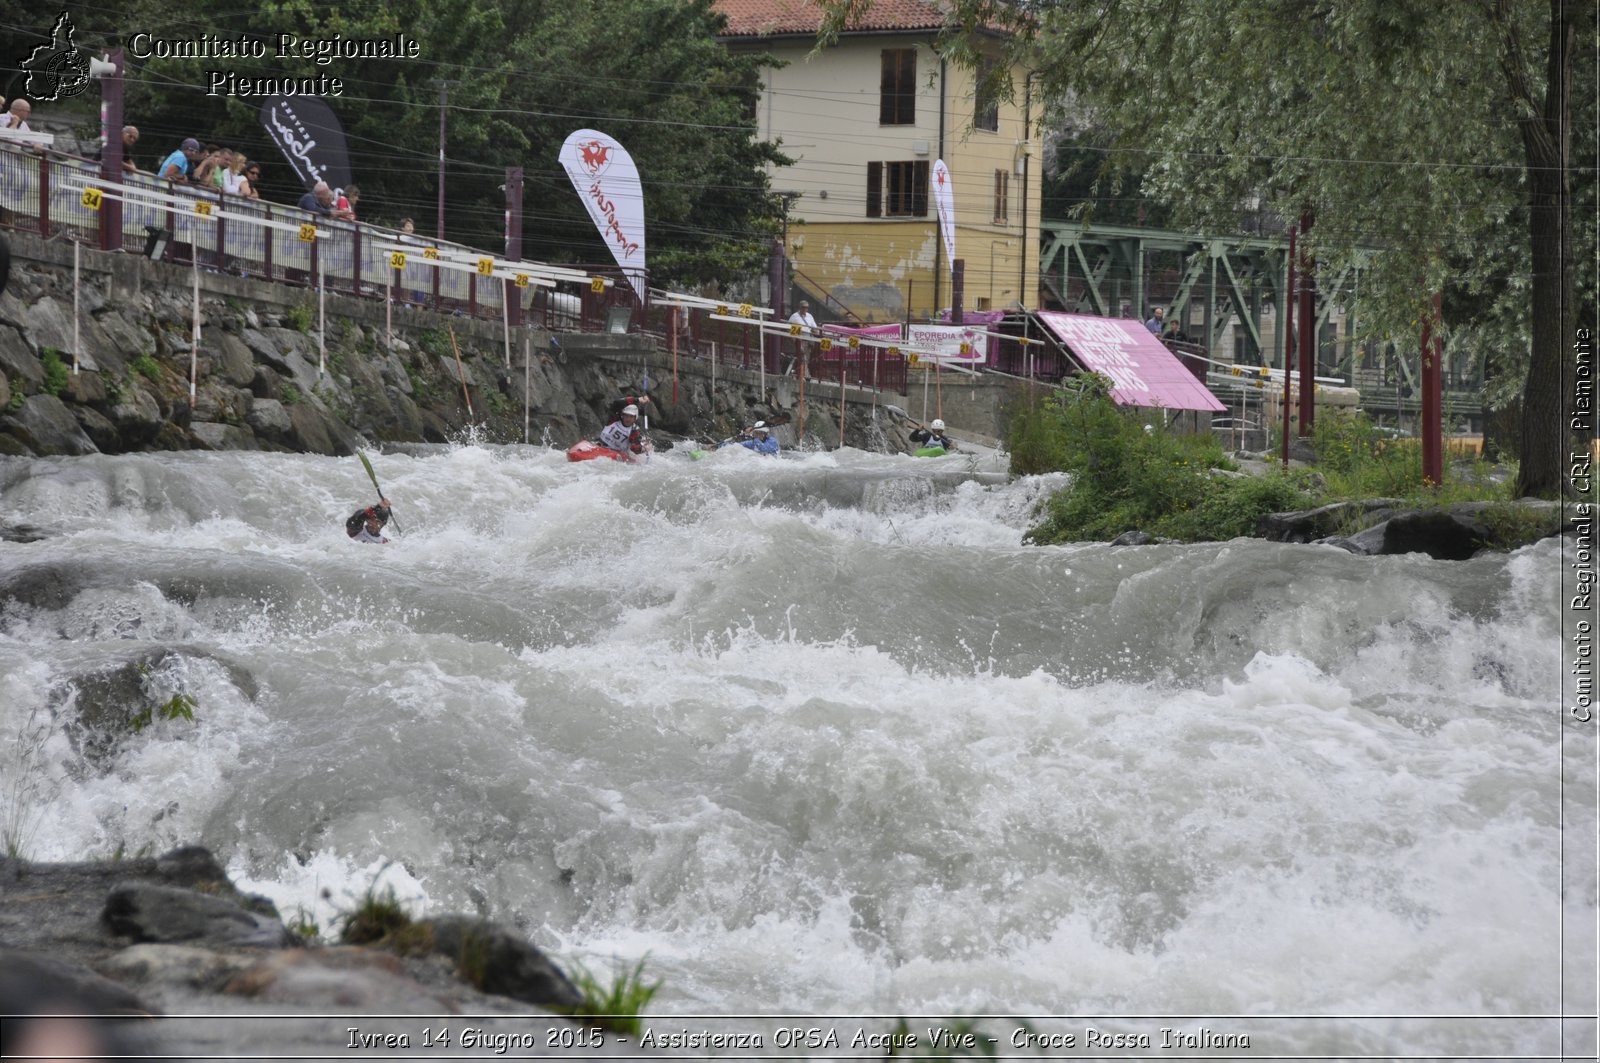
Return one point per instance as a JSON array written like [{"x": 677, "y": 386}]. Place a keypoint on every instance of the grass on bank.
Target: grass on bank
[{"x": 1129, "y": 473}]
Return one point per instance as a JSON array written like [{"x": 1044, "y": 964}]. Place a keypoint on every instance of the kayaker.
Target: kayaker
[
  {"x": 759, "y": 438},
  {"x": 933, "y": 436},
  {"x": 366, "y": 525},
  {"x": 623, "y": 433}
]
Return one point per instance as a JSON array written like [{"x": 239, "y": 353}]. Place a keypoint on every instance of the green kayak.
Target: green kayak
[{"x": 928, "y": 452}]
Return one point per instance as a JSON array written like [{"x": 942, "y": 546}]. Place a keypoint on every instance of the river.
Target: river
[{"x": 820, "y": 735}]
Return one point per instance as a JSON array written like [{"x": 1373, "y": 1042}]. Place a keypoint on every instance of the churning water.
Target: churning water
[{"x": 820, "y": 735}]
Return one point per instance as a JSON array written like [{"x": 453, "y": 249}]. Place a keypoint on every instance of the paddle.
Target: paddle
[{"x": 374, "y": 477}]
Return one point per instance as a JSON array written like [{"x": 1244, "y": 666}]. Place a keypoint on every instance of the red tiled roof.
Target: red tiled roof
[{"x": 759, "y": 18}]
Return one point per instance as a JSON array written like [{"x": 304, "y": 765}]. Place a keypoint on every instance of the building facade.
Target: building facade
[{"x": 865, "y": 120}]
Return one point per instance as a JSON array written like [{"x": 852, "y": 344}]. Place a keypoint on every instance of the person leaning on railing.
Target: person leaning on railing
[{"x": 180, "y": 164}]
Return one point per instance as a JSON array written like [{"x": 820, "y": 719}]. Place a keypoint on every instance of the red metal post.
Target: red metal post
[
  {"x": 1433, "y": 394},
  {"x": 111, "y": 152},
  {"x": 513, "y": 294},
  {"x": 958, "y": 289},
  {"x": 1308, "y": 334},
  {"x": 1288, "y": 343}
]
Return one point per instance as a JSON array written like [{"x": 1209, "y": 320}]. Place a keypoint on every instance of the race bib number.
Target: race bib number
[
  {"x": 597, "y": 285},
  {"x": 91, "y": 198},
  {"x": 522, "y": 280},
  {"x": 398, "y": 260},
  {"x": 894, "y": 352},
  {"x": 794, "y": 328},
  {"x": 308, "y": 234},
  {"x": 485, "y": 267},
  {"x": 202, "y": 208},
  {"x": 431, "y": 252},
  {"x": 744, "y": 309},
  {"x": 826, "y": 345},
  {"x": 966, "y": 349},
  {"x": 855, "y": 343}
]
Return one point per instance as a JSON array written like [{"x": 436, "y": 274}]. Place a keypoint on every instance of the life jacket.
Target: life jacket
[{"x": 619, "y": 436}]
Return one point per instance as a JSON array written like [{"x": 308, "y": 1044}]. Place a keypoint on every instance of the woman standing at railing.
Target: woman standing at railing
[{"x": 236, "y": 179}]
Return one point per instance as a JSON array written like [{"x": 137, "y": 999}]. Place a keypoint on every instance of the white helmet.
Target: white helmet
[
  {"x": 938, "y": 424},
  {"x": 760, "y": 426},
  {"x": 630, "y": 408}
]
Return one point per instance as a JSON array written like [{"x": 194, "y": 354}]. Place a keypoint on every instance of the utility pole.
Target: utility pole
[{"x": 444, "y": 93}]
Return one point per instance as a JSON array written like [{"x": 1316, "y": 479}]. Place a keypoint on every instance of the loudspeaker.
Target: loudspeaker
[{"x": 99, "y": 68}]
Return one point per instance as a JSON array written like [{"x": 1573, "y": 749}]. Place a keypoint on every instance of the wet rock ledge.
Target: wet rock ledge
[{"x": 192, "y": 967}]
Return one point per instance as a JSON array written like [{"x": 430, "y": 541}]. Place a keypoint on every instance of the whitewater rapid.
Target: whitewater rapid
[{"x": 819, "y": 735}]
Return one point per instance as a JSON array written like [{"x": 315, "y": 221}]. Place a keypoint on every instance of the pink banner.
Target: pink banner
[
  {"x": 1142, "y": 371},
  {"x": 841, "y": 346}
]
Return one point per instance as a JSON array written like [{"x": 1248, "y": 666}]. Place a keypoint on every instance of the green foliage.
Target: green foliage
[
  {"x": 178, "y": 707},
  {"x": 524, "y": 74},
  {"x": 17, "y": 399},
  {"x": 304, "y": 926},
  {"x": 617, "y": 1005},
  {"x": 1435, "y": 132},
  {"x": 146, "y": 366},
  {"x": 55, "y": 371},
  {"x": 375, "y": 916},
  {"x": 288, "y": 394},
  {"x": 1128, "y": 472},
  {"x": 1512, "y": 526},
  {"x": 300, "y": 316}
]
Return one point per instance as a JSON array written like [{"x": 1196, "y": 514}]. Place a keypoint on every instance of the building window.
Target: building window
[
  {"x": 897, "y": 189},
  {"x": 986, "y": 100},
  {"x": 897, "y": 99},
  {"x": 1002, "y": 190}
]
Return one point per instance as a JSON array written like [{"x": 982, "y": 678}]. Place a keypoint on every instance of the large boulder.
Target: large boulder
[
  {"x": 317, "y": 431},
  {"x": 215, "y": 436},
  {"x": 1310, "y": 525},
  {"x": 234, "y": 361},
  {"x": 48, "y": 428},
  {"x": 19, "y": 361},
  {"x": 147, "y": 912}
]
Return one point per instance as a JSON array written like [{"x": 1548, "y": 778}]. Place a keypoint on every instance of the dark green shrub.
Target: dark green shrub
[{"x": 55, "y": 372}]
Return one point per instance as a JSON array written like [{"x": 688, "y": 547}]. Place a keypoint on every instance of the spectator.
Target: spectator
[
  {"x": 208, "y": 174},
  {"x": 17, "y": 117},
  {"x": 181, "y": 163},
  {"x": 808, "y": 328},
  {"x": 345, "y": 200},
  {"x": 408, "y": 232},
  {"x": 1155, "y": 322},
  {"x": 235, "y": 182},
  {"x": 252, "y": 176},
  {"x": 130, "y": 137},
  {"x": 319, "y": 200}
]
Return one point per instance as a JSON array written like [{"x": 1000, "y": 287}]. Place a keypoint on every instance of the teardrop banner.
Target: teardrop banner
[
  {"x": 944, "y": 200},
  {"x": 608, "y": 183},
  {"x": 308, "y": 133}
]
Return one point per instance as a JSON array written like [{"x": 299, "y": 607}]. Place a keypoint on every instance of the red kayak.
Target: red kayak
[{"x": 588, "y": 450}]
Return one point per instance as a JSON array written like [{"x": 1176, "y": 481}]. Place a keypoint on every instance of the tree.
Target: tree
[
  {"x": 523, "y": 75},
  {"x": 1430, "y": 131}
]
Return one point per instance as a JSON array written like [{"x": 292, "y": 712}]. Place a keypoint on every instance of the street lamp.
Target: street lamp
[{"x": 786, "y": 199}]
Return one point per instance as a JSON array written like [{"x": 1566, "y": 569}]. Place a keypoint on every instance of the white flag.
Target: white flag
[
  {"x": 944, "y": 200},
  {"x": 608, "y": 183}
]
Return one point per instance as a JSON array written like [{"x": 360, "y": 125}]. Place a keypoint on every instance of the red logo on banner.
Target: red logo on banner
[{"x": 596, "y": 158}]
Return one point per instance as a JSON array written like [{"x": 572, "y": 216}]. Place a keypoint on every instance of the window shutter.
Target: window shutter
[
  {"x": 874, "y": 189},
  {"x": 919, "y": 189},
  {"x": 889, "y": 87}
]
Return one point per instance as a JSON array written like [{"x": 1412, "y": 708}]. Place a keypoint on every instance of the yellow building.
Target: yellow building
[{"x": 865, "y": 121}]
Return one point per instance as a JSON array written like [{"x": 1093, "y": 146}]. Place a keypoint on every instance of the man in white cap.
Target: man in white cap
[
  {"x": 808, "y": 328},
  {"x": 623, "y": 434},
  {"x": 759, "y": 438}
]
